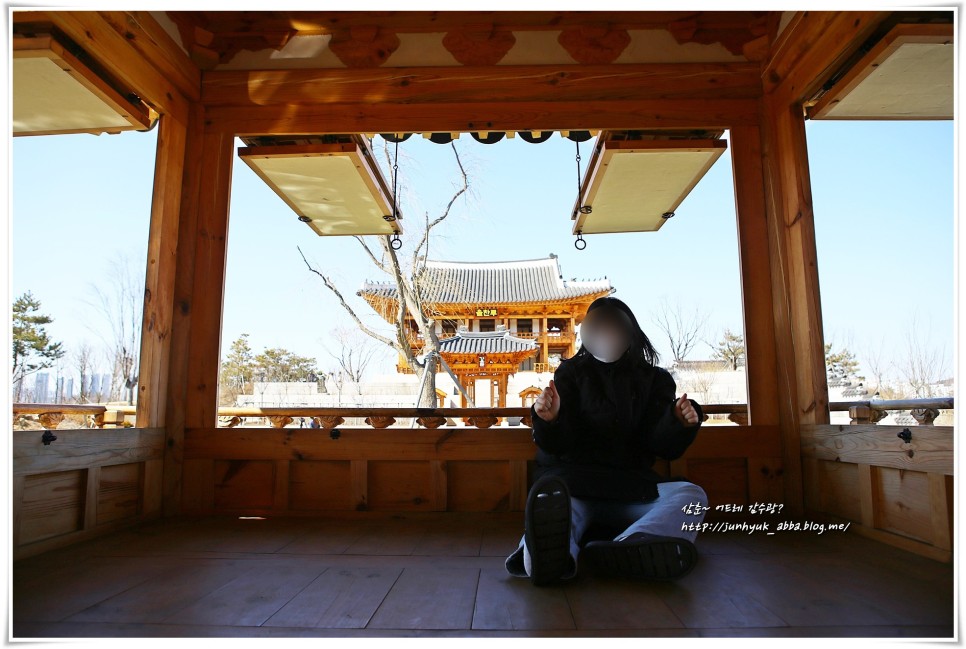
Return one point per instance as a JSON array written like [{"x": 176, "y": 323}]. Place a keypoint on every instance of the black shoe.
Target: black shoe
[
  {"x": 548, "y": 530},
  {"x": 642, "y": 555}
]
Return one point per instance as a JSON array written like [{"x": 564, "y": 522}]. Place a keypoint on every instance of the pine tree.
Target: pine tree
[
  {"x": 731, "y": 348},
  {"x": 841, "y": 364},
  {"x": 281, "y": 365},
  {"x": 32, "y": 348}
]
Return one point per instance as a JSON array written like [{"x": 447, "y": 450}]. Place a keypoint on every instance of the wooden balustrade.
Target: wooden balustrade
[{"x": 50, "y": 415}]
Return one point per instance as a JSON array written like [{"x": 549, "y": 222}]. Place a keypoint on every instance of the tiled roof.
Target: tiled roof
[
  {"x": 531, "y": 280},
  {"x": 489, "y": 342}
]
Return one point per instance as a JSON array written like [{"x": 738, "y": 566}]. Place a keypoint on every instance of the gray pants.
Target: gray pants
[{"x": 664, "y": 516}]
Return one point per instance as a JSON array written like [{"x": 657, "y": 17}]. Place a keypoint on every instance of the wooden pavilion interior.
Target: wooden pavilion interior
[{"x": 179, "y": 527}]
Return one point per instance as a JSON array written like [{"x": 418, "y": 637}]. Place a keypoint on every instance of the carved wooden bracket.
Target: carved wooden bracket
[
  {"x": 380, "y": 422},
  {"x": 925, "y": 416},
  {"x": 482, "y": 421},
  {"x": 329, "y": 422},
  {"x": 50, "y": 419},
  {"x": 364, "y": 46},
  {"x": 594, "y": 44},
  {"x": 431, "y": 422},
  {"x": 740, "y": 40},
  {"x": 740, "y": 418},
  {"x": 866, "y": 415},
  {"x": 479, "y": 44},
  {"x": 280, "y": 421}
]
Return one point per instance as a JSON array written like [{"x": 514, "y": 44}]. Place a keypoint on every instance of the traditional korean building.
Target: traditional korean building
[{"x": 496, "y": 318}]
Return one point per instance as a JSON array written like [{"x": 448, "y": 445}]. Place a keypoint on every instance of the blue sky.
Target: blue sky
[{"x": 884, "y": 213}]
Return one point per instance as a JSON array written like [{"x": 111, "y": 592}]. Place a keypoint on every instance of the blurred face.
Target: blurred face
[{"x": 606, "y": 333}]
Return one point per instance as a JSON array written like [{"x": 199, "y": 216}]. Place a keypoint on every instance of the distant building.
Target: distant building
[
  {"x": 42, "y": 388},
  {"x": 495, "y": 318}
]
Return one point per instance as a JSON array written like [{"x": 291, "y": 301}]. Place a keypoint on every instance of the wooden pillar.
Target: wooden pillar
[
  {"x": 544, "y": 347},
  {"x": 572, "y": 349},
  {"x": 794, "y": 257},
  {"x": 160, "y": 273},
  {"x": 811, "y": 48},
  {"x": 158, "y": 307},
  {"x": 761, "y": 371},
  {"x": 208, "y": 285},
  {"x": 199, "y": 291}
]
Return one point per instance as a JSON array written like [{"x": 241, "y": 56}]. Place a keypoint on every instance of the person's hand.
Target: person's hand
[
  {"x": 685, "y": 412},
  {"x": 547, "y": 405}
]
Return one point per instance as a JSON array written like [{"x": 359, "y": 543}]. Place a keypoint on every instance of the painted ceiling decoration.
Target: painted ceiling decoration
[{"x": 370, "y": 39}]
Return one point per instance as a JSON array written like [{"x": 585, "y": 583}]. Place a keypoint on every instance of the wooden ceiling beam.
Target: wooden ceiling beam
[
  {"x": 245, "y": 23},
  {"x": 132, "y": 47},
  {"x": 812, "y": 47},
  {"x": 708, "y": 81},
  {"x": 497, "y": 116}
]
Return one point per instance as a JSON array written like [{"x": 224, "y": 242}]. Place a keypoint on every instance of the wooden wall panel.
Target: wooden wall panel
[
  {"x": 930, "y": 448},
  {"x": 447, "y": 470},
  {"x": 83, "y": 448},
  {"x": 902, "y": 502},
  {"x": 400, "y": 486},
  {"x": 765, "y": 480},
  {"x": 199, "y": 486},
  {"x": 320, "y": 486},
  {"x": 478, "y": 486},
  {"x": 52, "y": 505},
  {"x": 119, "y": 492},
  {"x": 725, "y": 481},
  {"x": 244, "y": 484},
  {"x": 837, "y": 484}
]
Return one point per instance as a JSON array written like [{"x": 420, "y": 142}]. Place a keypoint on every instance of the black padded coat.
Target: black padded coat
[{"x": 615, "y": 419}]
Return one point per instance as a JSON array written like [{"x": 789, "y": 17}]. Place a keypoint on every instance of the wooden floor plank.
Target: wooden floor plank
[
  {"x": 924, "y": 600},
  {"x": 251, "y": 598},
  {"x": 795, "y": 598},
  {"x": 429, "y": 598},
  {"x": 707, "y": 597},
  {"x": 507, "y": 602},
  {"x": 600, "y": 603},
  {"x": 332, "y": 538},
  {"x": 444, "y": 576},
  {"x": 339, "y": 598},
  {"x": 453, "y": 540},
  {"x": 388, "y": 539},
  {"x": 49, "y": 596},
  {"x": 500, "y": 540},
  {"x": 166, "y": 594}
]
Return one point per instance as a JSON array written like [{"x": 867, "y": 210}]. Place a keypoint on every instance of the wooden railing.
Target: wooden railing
[
  {"x": 564, "y": 335},
  {"x": 893, "y": 482},
  {"x": 924, "y": 411}
]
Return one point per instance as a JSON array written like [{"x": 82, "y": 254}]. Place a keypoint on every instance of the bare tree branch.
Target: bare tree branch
[
  {"x": 683, "y": 331},
  {"x": 412, "y": 297},
  {"x": 328, "y": 283},
  {"x": 424, "y": 242},
  {"x": 378, "y": 263}
]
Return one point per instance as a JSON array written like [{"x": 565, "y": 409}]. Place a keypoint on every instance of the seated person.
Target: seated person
[{"x": 607, "y": 413}]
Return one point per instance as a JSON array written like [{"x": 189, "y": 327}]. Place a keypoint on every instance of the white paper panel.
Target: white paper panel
[
  {"x": 48, "y": 99},
  {"x": 638, "y": 187},
  {"x": 330, "y": 190},
  {"x": 916, "y": 81}
]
